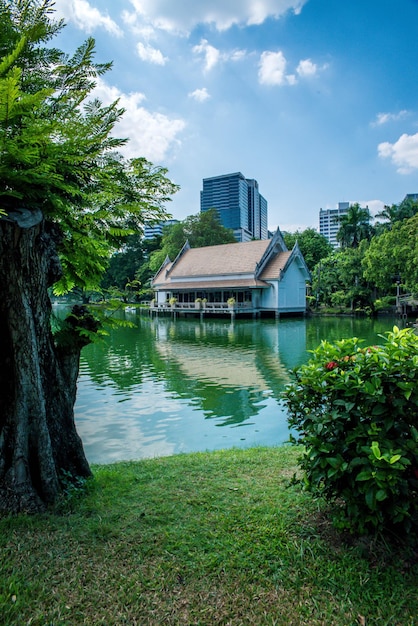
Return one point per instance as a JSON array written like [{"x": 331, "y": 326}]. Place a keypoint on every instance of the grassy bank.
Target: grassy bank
[{"x": 214, "y": 538}]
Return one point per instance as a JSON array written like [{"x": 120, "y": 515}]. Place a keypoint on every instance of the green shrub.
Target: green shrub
[
  {"x": 355, "y": 410},
  {"x": 384, "y": 303},
  {"x": 339, "y": 299}
]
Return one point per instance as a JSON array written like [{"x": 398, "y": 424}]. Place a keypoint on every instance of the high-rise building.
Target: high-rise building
[
  {"x": 155, "y": 230},
  {"x": 411, "y": 196},
  {"x": 239, "y": 204},
  {"x": 329, "y": 222}
]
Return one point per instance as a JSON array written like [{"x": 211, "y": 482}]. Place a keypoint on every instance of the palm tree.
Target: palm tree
[
  {"x": 397, "y": 212},
  {"x": 354, "y": 226},
  {"x": 390, "y": 215}
]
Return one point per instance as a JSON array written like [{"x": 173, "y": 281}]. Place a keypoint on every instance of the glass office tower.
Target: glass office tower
[{"x": 239, "y": 204}]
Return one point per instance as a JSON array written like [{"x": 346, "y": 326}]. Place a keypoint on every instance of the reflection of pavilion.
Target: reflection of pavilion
[
  {"x": 251, "y": 363},
  {"x": 225, "y": 384},
  {"x": 226, "y": 366}
]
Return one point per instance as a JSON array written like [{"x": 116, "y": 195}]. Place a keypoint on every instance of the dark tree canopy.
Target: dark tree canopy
[
  {"x": 396, "y": 213},
  {"x": 67, "y": 200},
  {"x": 393, "y": 255},
  {"x": 339, "y": 281},
  {"x": 313, "y": 246},
  {"x": 355, "y": 225},
  {"x": 201, "y": 230}
]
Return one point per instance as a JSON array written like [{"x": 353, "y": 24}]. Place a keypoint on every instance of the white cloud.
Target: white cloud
[
  {"x": 150, "y": 54},
  {"x": 85, "y": 17},
  {"x": 272, "y": 69},
  {"x": 238, "y": 55},
  {"x": 306, "y": 68},
  {"x": 273, "y": 65},
  {"x": 210, "y": 54},
  {"x": 181, "y": 17},
  {"x": 403, "y": 153},
  {"x": 384, "y": 118},
  {"x": 374, "y": 206},
  {"x": 200, "y": 95},
  {"x": 151, "y": 135},
  {"x": 139, "y": 27}
]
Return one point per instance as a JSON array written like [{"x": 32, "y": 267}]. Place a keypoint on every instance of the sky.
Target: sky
[{"x": 315, "y": 99}]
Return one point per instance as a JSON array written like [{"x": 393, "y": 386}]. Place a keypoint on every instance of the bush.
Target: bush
[
  {"x": 355, "y": 410},
  {"x": 339, "y": 299},
  {"x": 386, "y": 302}
]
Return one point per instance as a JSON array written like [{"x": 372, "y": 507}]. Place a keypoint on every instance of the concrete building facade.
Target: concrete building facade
[{"x": 328, "y": 222}]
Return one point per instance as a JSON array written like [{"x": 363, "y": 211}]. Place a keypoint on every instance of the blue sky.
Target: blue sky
[{"x": 315, "y": 99}]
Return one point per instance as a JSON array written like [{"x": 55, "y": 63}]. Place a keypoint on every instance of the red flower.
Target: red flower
[{"x": 331, "y": 365}]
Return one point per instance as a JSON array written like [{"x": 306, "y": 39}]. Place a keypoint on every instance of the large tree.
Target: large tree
[
  {"x": 396, "y": 213},
  {"x": 129, "y": 274},
  {"x": 393, "y": 256},
  {"x": 338, "y": 280},
  {"x": 312, "y": 244},
  {"x": 355, "y": 225},
  {"x": 66, "y": 200},
  {"x": 201, "y": 230}
]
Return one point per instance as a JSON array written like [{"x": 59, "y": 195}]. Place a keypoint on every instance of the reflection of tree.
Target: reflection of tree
[
  {"x": 224, "y": 369},
  {"x": 335, "y": 328},
  {"x": 221, "y": 375},
  {"x": 124, "y": 358},
  {"x": 230, "y": 406}
]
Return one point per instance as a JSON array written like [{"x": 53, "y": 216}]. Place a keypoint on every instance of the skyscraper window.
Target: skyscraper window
[{"x": 239, "y": 203}]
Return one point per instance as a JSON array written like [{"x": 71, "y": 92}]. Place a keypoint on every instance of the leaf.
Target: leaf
[
  {"x": 371, "y": 498},
  {"x": 335, "y": 462},
  {"x": 376, "y": 450},
  {"x": 364, "y": 475},
  {"x": 395, "y": 458}
]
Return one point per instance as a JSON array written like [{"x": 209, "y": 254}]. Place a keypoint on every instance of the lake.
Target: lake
[{"x": 168, "y": 386}]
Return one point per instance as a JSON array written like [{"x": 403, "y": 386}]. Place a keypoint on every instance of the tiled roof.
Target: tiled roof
[
  {"x": 230, "y": 258},
  {"x": 212, "y": 284},
  {"x": 275, "y": 266},
  {"x": 161, "y": 276},
  {"x": 223, "y": 266}
]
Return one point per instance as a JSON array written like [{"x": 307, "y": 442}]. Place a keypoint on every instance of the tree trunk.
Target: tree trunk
[{"x": 38, "y": 439}]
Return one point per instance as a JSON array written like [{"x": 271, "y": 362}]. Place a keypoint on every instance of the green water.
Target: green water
[{"x": 168, "y": 386}]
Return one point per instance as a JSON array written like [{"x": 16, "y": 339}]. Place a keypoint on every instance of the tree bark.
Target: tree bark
[{"x": 38, "y": 439}]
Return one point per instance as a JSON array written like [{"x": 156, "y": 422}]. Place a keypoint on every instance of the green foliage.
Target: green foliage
[
  {"x": 387, "y": 302},
  {"x": 124, "y": 264},
  {"x": 394, "y": 253},
  {"x": 58, "y": 149},
  {"x": 354, "y": 226},
  {"x": 79, "y": 323},
  {"x": 313, "y": 246},
  {"x": 396, "y": 213},
  {"x": 355, "y": 410},
  {"x": 73, "y": 489},
  {"x": 129, "y": 269},
  {"x": 339, "y": 279},
  {"x": 203, "y": 229}
]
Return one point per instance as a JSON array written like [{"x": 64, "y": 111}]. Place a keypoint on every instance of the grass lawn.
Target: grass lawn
[{"x": 207, "y": 538}]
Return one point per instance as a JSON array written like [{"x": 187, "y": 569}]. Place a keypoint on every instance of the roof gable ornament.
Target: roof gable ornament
[
  {"x": 297, "y": 255},
  {"x": 184, "y": 249},
  {"x": 166, "y": 262},
  {"x": 275, "y": 246}
]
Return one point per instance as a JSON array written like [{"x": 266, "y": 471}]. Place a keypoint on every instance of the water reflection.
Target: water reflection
[{"x": 175, "y": 386}]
